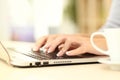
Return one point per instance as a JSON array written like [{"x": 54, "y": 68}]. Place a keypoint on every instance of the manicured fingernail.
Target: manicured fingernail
[
  {"x": 45, "y": 46},
  {"x": 35, "y": 49},
  {"x": 49, "y": 51},
  {"x": 60, "y": 53},
  {"x": 43, "y": 50},
  {"x": 68, "y": 53}
]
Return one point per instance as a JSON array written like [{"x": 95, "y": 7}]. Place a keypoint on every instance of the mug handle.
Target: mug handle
[{"x": 93, "y": 44}]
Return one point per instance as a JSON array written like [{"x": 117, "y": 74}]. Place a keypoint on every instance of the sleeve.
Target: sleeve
[{"x": 113, "y": 20}]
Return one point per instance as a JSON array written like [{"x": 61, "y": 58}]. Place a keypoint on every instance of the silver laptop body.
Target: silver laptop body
[{"x": 27, "y": 58}]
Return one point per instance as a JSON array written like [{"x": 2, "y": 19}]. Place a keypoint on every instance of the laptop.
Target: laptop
[{"x": 25, "y": 57}]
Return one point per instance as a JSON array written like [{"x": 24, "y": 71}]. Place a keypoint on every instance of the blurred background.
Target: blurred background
[{"x": 27, "y": 20}]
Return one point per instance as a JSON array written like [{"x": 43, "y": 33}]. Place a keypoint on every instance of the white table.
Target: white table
[{"x": 70, "y": 72}]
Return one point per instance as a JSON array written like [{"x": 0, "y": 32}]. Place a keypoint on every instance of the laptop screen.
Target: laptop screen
[{"x": 3, "y": 53}]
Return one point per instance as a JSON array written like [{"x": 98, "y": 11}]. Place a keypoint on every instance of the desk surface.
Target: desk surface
[{"x": 70, "y": 72}]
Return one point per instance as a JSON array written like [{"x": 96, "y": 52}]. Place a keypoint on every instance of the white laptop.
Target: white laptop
[{"x": 25, "y": 57}]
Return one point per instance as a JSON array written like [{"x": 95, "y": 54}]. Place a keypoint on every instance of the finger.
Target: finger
[
  {"x": 77, "y": 51},
  {"x": 65, "y": 48},
  {"x": 55, "y": 43},
  {"x": 49, "y": 41},
  {"x": 39, "y": 43},
  {"x": 60, "y": 47}
]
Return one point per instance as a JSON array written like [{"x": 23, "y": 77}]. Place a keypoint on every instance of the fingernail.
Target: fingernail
[
  {"x": 68, "y": 53},
  {"x": 60, "y": 53},
  {"x": 35, "y": 49},
  {"x": 49, "y": 50},
  {"x": 45, "y": 50},
  {"x": 45, "y": 46}
]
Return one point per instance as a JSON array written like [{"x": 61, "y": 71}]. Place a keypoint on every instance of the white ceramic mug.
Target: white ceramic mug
[{"x": 112, "y": 36}]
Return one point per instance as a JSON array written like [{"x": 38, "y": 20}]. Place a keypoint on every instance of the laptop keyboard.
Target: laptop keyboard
[
  {"x": 44, "y": 56},
  {"x": 40, "y": 55}
]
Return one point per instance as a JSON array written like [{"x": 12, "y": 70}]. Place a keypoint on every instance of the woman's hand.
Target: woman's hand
[{"x": 69, "y": 44}]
